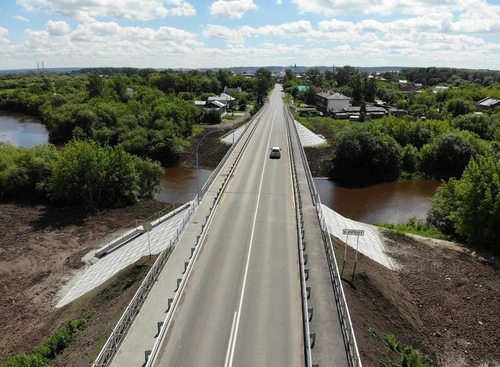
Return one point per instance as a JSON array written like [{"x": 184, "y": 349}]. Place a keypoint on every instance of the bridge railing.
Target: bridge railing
[
  {"x": 165, "y": 324},
  {"x": 338, "y": 290},
  {"x": 309, "y": 338},
  {"x": 119, "y": 332},
  {"x": 113, "y": 342},
  {"x": 216, "y": 172}
]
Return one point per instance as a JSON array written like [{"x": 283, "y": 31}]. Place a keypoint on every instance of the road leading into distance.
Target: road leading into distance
[{"x": 242, "y": 304}]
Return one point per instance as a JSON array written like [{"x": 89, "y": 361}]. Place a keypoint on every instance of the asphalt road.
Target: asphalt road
[{"x": 242, "y": 305}]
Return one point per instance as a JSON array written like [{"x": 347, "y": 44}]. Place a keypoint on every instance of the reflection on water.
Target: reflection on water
[
  {"x": 180, "y": 185},
  {"x": 393, "y": 202},
  {"x": 21, "y": 130}
]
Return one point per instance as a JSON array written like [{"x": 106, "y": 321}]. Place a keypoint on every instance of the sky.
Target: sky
[{"x": 234, "y": 33}]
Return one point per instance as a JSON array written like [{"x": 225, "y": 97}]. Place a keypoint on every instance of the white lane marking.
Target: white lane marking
[
  {"x": 230, "y": 339},
  {"x": 233, "y": 343}
]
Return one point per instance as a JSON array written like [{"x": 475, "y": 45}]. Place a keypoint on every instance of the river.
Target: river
[
  {"x": 393, "y": 202},
  {"x": 22, "y": 130}
]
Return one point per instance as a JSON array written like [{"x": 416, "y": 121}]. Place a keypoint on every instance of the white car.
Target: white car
[{"x": 275, "y": 152}]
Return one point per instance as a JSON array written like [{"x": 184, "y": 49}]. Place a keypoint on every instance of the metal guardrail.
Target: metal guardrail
[
  {"x": 173, "y": 303},
  {"x": 307, "y": 313},
  {"x": 215, "y": 173},
  {"x": 120, "y": 330},
  {"x": 110, "y": 347},
  {"x": 354, "y": 358}
]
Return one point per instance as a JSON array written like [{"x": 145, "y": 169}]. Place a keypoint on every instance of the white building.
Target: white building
[{"x": 332, "y": 101}]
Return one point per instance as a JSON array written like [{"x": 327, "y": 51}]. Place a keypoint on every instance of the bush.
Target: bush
[
  {"x": 211, "y": 117},
  {"x": 448, "y": 155},
  {"x": 50, "y": 348},
  {"x": 362, "y": 155},
  {"x": 101, "y": 177}
]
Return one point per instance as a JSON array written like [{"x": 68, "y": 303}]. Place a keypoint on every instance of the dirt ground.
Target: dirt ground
[{"x": 443, "y": 300}]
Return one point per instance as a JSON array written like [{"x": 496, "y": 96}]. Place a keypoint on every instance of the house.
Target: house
[
  {"x": 353, "y": 113},
  {"x": 487, "y": 103},
  {"x": 224, "y": 99},
  {"x": 373, "y": 111},
  {"x": 332, "y": 101},
  {"x": 230, "y": 91},
  {"x": 439, "y": 88}
]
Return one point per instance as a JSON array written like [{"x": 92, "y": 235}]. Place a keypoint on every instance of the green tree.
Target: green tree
[
  {"x": 477, "y": 217},
  {"x": 363, "y": 155},
  {"x": 311, "y": 95},
  {"x": 96, "y": 177},
  {"x": 314, "y": 76},
  {"x": 263, "y": 84},
  {"x": 443, "y": 204},
  {"x": 223, "y": 76},
  {"x": 211, "y": 117},
  {"x": 344, "y": 75},
  {"x": 120, "y": 87},
  {"x": 25, "y": 172},
  {"x": 357, "y": 89},
  {"x": 95, "y": 86},
  {"x": 458, "y": 107},
  {"x": 288, "y": 75},
  {"x": 448, "y": 155},
  {"x": 483, "y": 125},
  {"x": 369, "y": 88},
  {"x": 362, "y": 111}
]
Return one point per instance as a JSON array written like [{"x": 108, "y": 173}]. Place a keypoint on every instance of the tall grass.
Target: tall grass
[
  {"x": 50, "y": 348},
  {"x": 416, "y": 226}
]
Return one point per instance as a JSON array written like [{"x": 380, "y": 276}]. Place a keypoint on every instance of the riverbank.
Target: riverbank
[{"x": 443, "y": 300}]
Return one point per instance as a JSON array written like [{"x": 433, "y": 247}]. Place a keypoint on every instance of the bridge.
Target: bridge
[{"x": 250, "y": 278}]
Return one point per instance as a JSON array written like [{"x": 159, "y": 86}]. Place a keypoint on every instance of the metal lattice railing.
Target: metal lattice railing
[{"x": 354, "y": 358}]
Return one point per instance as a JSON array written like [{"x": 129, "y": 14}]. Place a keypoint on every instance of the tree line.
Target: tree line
[
  {"x": 84, "y": 173},
  {"x": 115, "y": 125},
  {"x": 442, "y": 137},
  {"x": 467, "y": 205}
]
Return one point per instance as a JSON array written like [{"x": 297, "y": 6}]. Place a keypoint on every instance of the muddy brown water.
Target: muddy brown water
[
  {"x": 181, "y": 184},
  {"x": 392, "y": 202}
]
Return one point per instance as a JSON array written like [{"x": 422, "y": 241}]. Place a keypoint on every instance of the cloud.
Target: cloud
[
  {"x": 106, "y": 44},
  {"x": 4, "y": 33},
  {"x": 21, "y": 18},
  {"x": 389, "y": 7},
  {"x": 225, "y": 34},
  {"x": 232, "y": 9},
  {"x": 85, "y": 10},
  {"x": 301, "y": 28},
  {"x": 109, "y": 32},
  {"x": 59, "y": 28}
]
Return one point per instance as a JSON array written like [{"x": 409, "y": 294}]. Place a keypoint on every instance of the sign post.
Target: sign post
[
  {"x": 353, "y": 232},
  {"x": 148, "y": 226}
]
